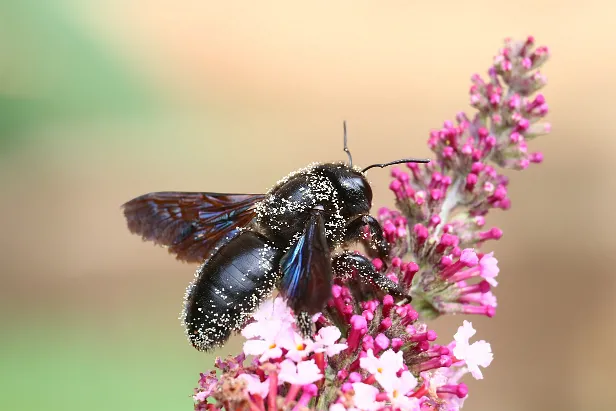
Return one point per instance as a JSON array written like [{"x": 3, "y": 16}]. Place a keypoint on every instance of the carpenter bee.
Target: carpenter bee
[{"x": 252, "y": 244}]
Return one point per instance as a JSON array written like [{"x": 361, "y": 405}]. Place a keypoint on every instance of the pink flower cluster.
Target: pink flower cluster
[
  {"x": 380, "y": 354},
  {"x": 442, "y": 207},
  {"x": 399, "y": 367}
]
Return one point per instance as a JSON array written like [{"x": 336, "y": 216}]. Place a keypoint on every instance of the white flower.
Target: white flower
[
  {"x": 305, "y": 372},
  {"x": 271, "y": 317},
  {"x": 254, "y": 384},
  {"x": 340, "y": 407},
  {"x": 271, "y": 330},
  {"x": 365, "y": 396},
  {"x": 474, "y": 355},
  {"x": 325, "y": 341},
  {"x": 397, "y": 388},
  {"x": 297, "y": 347},
  {"x": 383, "y": 368}
]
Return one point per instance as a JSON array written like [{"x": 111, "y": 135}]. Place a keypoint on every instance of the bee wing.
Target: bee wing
[
  {"x": 191, "y": 225},
  {"x": 306, "y": 268}
]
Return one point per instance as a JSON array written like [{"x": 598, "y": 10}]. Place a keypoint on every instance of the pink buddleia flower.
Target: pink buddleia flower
[
  {"x": 302, "y": 373},
  {"x": 397, "y": 389},
  {"x": 272, "y": 316},
  {"x": 296, "y": 346},
  {"x": 372, "y": 351},
  {"x": 474, "y": 355},
  {"x": 269, "y": 346},
  {"x": 365, "y": 397},
  {"x": 254, "y": 385},
  {"x": 339, "y": 407},
  {"x": 489, "y": 268},
  {"x": 326, "y": 341},
  {"x": 385, "y": 367}
]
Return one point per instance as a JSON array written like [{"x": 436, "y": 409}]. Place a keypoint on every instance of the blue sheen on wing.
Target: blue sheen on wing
[
  {"x": 306, "y": 268},
  {"x": 292, "y": 268}
]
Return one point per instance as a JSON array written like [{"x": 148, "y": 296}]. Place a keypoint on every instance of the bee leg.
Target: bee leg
[
  {"x": 349, "y": 266},
  {"x": 304, "y": 324},
  {"x": 367, "y": 229}
]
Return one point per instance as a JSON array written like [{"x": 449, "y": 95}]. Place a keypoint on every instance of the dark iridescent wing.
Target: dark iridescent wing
[
  {"x": 191, "y": 225},
  {"x": 306, "y": 268}
]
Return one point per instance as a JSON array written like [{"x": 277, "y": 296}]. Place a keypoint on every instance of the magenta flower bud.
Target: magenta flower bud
[
  {"x": 486, "y": 310},
  {"x": 490, "y": 142},
  {"x": 500, "y": 192},
  {"x": 492, "y": 234},
  {"x": 471, "y": 180},
  {"x": 308, "y": 391},
  {"x": 396, "y": 344},
  {"x": 459, "y": 390},
  {"x": 382, "y": 397},
  {"x": 381, "y": 341},
  {"x": 411, "y": 315},
  {"x": 447, "y": 152},
  {"x": 388, "y": 303},
  {"x": 447, "y": 240},
  {"x": 446, "y": 261},
  {"x": 477, "y": 167},
  {"x": 410, "y": 271},
  {"x": 427, "y": 336},
  {"x": 395, "y": 172},
  {"x": 420, "y": 197},
  {"x": 336, "y": 291},
  {"x": 435, "y": 220},
  {"x": 482, "y": 287},
  {"x": 514, "y": 102},
  {"x": 443, "y": 361},
  {"x": 359, "y": 327},
  {"x": 403, "y": 177},
  {"x": 436, "y": 194},
  {"x": 536, "y": 157},
  {"x": 467, "y": 259},
  {"x": 467, "y": 149},
  {"x": 385, "y": 324},
  {"x": 354, "y": 377},
  {"x": 444, "y": 350},
  {"x": 367, "y": 343},
  {"x": 421, "y": 233}
]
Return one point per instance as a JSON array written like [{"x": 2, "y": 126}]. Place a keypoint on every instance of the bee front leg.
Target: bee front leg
[
  {"x": 349, "y": 266},
  {"x": 367, "y": 229},
  {"x": 304, "y": 323}
]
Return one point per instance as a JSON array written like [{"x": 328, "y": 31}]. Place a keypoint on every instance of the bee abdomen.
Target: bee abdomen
[{"x": 228, "y": 288}]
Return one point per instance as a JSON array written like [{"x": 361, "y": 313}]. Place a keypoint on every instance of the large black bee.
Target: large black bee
[{"x": 251, "y": 244}]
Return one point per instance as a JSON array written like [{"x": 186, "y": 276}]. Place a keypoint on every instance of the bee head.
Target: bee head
[{"x": 354, "y": 191}]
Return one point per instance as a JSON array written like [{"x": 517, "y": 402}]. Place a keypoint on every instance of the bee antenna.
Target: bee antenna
[
  {"x": 346, "y": 148},
  {"x": 391, "y": 163}
]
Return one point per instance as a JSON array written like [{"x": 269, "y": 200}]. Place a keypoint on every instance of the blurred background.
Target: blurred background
[{"x": 101, "y": 101}]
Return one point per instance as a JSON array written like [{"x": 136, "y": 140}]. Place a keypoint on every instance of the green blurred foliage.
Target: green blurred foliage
[
  {"x": 51, "y": 72},
  {"x": 59, "y": 368}
]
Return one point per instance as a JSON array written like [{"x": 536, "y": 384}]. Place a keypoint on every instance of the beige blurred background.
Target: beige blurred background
[{"x": 101, "y": 101}]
